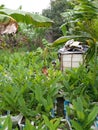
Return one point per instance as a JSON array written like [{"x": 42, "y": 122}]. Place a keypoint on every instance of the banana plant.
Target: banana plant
[
  {"x": 7, "y": 24},
  {"x": 13, "y": 17},
  {"x": 82, "y": 21},
  {"x": 27, "y": 17}
]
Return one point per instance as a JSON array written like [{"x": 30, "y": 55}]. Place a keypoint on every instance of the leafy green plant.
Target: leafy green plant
[
  {"x": 52, "y": 124},
  {"x": 29, "y": 126},
  {"x": 26, "y": 17},
  {"x": 76, "y": 81},
  {"x": 25, "y": 89},
  {"x": 82, "y": 23},
  {"x": 5, "y": 22},
  {"x": 9, "y": 23},
  {"x": 84, "y": 116},
  {"x": 5, "y": 123}
]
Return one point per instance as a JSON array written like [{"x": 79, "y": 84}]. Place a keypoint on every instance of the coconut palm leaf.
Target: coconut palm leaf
[
  {"x": 28, "y": 18},
  {"x": 7, "y": 24}
]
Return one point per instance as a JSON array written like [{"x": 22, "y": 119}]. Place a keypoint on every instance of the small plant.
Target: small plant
[
  {"x": 83, "y": 114},
  {"x": 53, "y": 124},
  {"x": 5, "y": 123}
]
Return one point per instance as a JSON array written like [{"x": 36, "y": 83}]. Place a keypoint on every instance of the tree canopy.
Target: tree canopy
[{"x": 54, "y": 12}]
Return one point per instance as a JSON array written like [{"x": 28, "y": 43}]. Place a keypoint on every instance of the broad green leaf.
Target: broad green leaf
[
  {"x": 78, "y": 106},
  {"x": 91, "y": 116},
  {"x": 47, "y": 122},
  {"x": 8, "y": 98},
  {"x": 63, "y": 28},
  {"x": 28, "y": 126},
  {"x": 38, "y": 93},
  {"x": 38, "y": 20},
  {"x": 19, "y": 93},
  {"x": 60, "y": 41},
  {"x": 9, "y": 123},
  {"x": 7, "y": 24},
  {"x": 4, "y": 19},
  {"x": 56, "y": 124},
  {"x": 84, "y": 101},
  {"x": 64, "y": 39},
  {"x": 28, "y": 18},
  {"x": 16, "y": 128},
  {"x": 76, "y": 125},
  {"x": 48, "y": 103}
]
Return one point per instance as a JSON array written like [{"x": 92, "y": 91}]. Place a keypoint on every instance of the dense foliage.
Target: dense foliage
[
  {"x": 54, "y": 12},
  {"x": 27, "y": 37},
  {"x": 26, "y": 89},
  {"x": 32, "y": 84}
]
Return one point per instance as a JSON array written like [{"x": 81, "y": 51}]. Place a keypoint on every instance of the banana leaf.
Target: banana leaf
[
  {"x": 28, "y": 18},
  {"x": 7, "y": 24},
  {"x": 62, "y": 40},
  {"x": 38, "y": 20}
]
